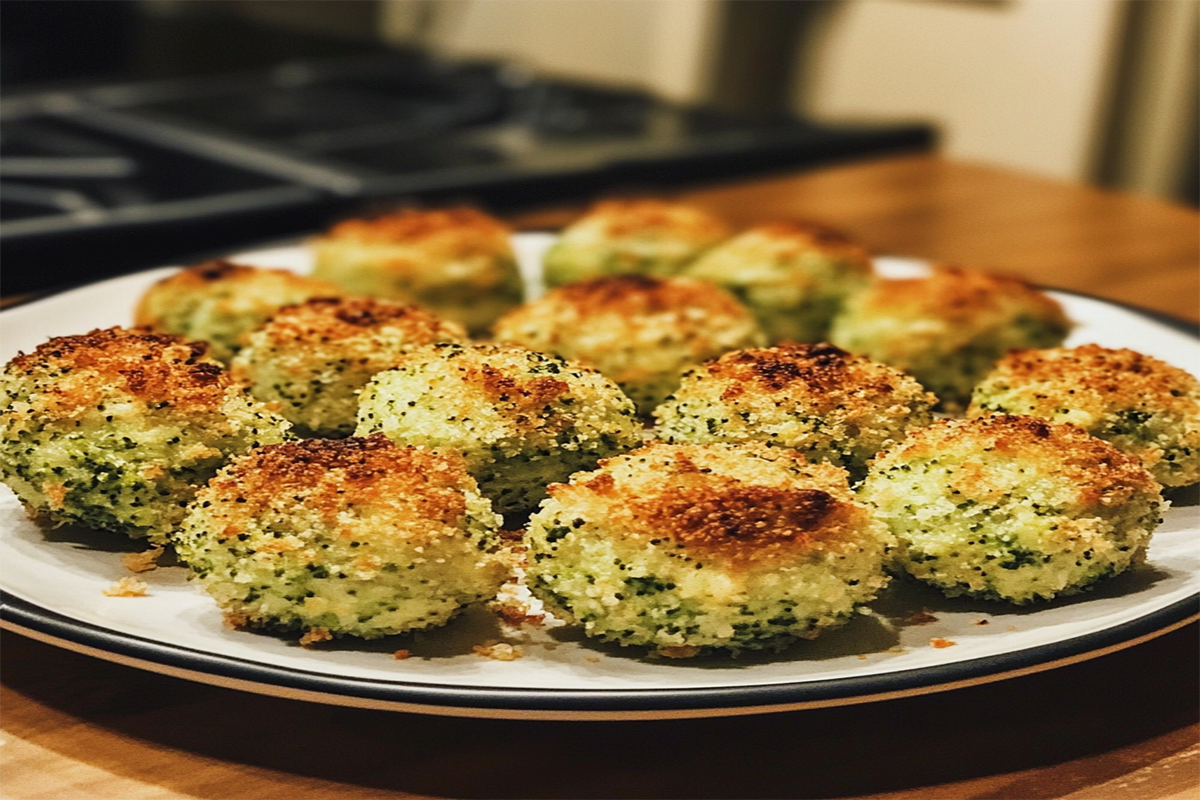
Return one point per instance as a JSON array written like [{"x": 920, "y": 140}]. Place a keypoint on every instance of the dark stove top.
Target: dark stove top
[{"x": 111, "y": 178}]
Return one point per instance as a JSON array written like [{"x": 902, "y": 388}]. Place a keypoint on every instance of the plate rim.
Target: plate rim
[
  {"x": 30, "y": 619},
  {"x": 23, "y": 617}
]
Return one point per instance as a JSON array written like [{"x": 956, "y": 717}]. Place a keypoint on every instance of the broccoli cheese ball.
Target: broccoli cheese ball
[
  {"x": 457, "y": 262},
  {"x": 815, "y": 398},
  {"x": 1012, "y": 508},
  {"x": 312, "y": 359},
  {"x": 116, "y": 429},
  {"x": 623, "y": 237},
  {"x": 642, "y": 332},
  {"x": 689, "y": 548},
  {"x": 793, "y": 275},
  {"x": 522, "y": 419},
  {"x": 343, "y": 537},
  {"x": 1143, "y": 406},
  {"x": 948, "y": 330},
  {"x": 219, "y": 302}
]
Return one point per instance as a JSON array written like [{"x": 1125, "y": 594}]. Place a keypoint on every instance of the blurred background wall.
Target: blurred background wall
[{"x": 1103, "y": 91}]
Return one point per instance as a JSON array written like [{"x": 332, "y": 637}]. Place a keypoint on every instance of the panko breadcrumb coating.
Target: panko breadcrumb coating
[
  {"x": 457, "y": 262},
  {"x": 522, "y": 419},
  {"x": 793, "y": 275},
  {"x": 815, "y": 398},
  {"x": 642, "y": 332},
  {"x": 948, "y": 329},
  {"x": 312, "y": 359},
  {"x": 632, "y": 237},
  {"x": 335, "y": 537},
  {"x": 1143, "y": 406},
  {"x": 116, "y": 429},
  {"x": 689, "y": 548},
  {"x": 219, "y": 302},
  {"x": 1013, "y": 508}
]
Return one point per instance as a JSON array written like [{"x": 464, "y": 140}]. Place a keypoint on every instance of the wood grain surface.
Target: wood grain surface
[{"x": 1125, "y": 726}]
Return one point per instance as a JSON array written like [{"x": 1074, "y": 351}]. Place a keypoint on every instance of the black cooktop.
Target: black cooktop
[{"x": 106, "y": 178}]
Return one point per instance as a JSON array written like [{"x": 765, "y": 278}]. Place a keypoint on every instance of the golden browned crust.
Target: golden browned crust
[
  {"x": 200, "y": 278},
  {"x": 815, "y": 369},
  {"x": 411, "y": 225},
  {"x": 325, "y": 319},
  {"x": 793, "y": 237},
  {"x": 954, "y": 293},
  {"x": 722, "y": 515},
  {"x": 639, "y": 295},
  {"x": 153, "y": 367},
  {"x": 626, "y": 217},
  {"x": 1091, "y": 372},
  {"x": 683, "y": 495},
  {"x": 1103, "y": 474},
  {"x": 329, "y": 475}
]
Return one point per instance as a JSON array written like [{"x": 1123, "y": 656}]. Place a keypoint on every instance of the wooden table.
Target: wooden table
[{"x": 1121, "y": 727}]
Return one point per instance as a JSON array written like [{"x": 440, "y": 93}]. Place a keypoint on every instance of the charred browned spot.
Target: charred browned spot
[
  {"x": 736, "y": 520},
  {"x": 325, "y": 319},
  {"x": 365, "y": 313},
  {"x": 602, "y": 484},
  {"x": 527, "y": 393},
  {"x": 217, "y": 269},
  {"x": 820, "y": 367}
]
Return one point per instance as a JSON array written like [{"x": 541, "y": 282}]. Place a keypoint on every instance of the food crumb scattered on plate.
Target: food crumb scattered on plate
[
  {"x": 498, "y": 651},
  {"x": 314, "y": 635},
  {"x": 940, "y": 643},
  {"x": 127, "y": 587},
  {"x": 401, "y": 655},
  {"x": 143, "y": 561}
]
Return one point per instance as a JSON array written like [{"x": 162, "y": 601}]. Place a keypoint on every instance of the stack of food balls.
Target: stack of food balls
[{"x": 714, "y": 441}]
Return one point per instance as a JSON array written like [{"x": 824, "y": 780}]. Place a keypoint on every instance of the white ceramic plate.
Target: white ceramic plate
[{"x": 53, "y": 586}]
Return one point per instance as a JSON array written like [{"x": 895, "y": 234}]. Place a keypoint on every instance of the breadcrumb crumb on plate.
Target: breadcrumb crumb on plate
[
  {"x": 127, "y": 587},
  {"x": 52, "y": 588}
]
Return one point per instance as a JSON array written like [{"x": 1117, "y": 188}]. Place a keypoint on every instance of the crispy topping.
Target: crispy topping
[
  {"x": 153, "y": 367},
  {"x": 220, "y": 271},
  {"x": 1098, "y": 378},
  {"x": 828, "y": 376},
  {"x": 408, "y": 225},
  {"x": 787, "y": 240},
  {"x": 325, "y": 319},
  {"x": 1102, "y": 473},
  {"x": 631, "y": 217},
  {"x": 638, "y": 295},
  {"x": 719, "y": 514},
  {"x": 743, "y": 504},
  {"x": 959, "y": 294},
  {"x": 327, "y": 475}
]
